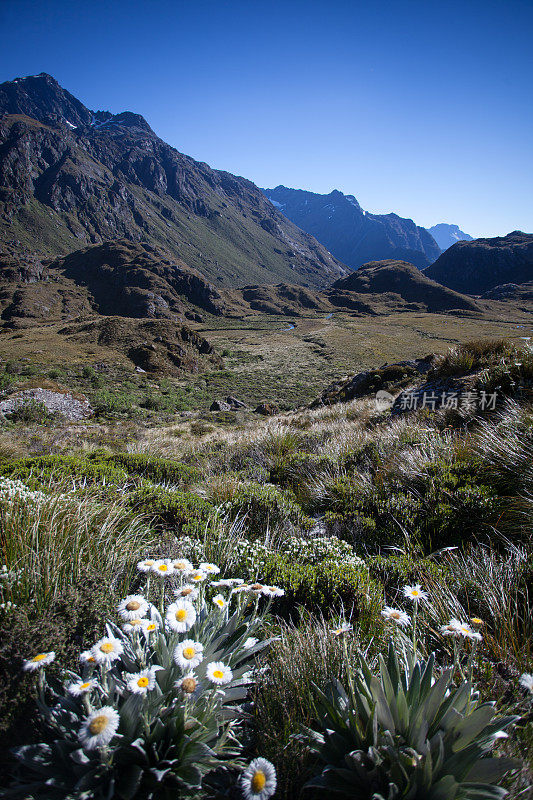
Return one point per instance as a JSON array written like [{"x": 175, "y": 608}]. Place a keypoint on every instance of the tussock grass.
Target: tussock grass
[{"x": 54, "y": 544}]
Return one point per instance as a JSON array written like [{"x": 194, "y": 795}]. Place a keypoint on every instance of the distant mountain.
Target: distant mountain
[
  {"x": 477, "y": 266},
  {"x": 70, "y": 177},
  {"x": 445, "y": 235},
  {"x": 355, "y": 236},
  {"x": 405, "y": 280}
]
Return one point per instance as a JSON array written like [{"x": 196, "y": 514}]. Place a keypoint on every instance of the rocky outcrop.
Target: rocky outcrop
[
  {"x": 355, "y": 236},
  {"x": 476, "y": 267},
  {"x": 62, "y": 403}
]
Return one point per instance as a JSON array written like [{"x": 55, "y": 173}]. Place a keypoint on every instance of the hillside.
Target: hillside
[
  {"x": 70, "y": 176},
  {"x": 408, "y": 282},
  {"x": 482, "y": 264},
  {"x": 355, "y": 236},
  {"x": 446, "y": 235}
]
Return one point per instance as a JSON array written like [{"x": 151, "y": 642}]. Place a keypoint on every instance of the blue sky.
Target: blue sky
[{"x": 422, "y": 108}]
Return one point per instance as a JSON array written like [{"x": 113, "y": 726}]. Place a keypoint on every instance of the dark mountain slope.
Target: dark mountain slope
[
  {"x": 406, "y": 281},
  {"x": 70, "y": 176},
  {"x": 351, "y": 234},
  {"x": 477, "y": 266}
]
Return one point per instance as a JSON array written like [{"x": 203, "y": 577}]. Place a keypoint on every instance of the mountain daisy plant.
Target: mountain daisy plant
[{"x": 159, "y": 707}]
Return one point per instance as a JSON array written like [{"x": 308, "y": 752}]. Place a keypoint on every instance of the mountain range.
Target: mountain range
[
  {"x": 353, "y": 235},
  {"x": 70, "y": 177}
]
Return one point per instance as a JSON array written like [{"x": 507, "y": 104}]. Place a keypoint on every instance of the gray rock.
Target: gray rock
[{"x": 56, "y": 403}]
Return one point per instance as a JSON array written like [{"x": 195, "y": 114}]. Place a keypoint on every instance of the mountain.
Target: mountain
[
  {"x": 71, "y": 177},
  {"x": 405, "y": 280},
  {"x": 355, "y": 236},
  {"x": 477, "y": 266},
  {"x": 445, "y": 235}
]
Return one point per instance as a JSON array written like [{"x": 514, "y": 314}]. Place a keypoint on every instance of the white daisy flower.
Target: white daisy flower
[
  {"x": 146, "y": 565},
  {"x": 257, "y": 588},
  {"x": 141, "y": 682},
  {"x": 163, "y": 567},
  {"x": 79, "y": 688},
  {"x": 87, "y": 657},
  {"x": 197, "y": 575},
  {"x": 149, "y": 626},
  {"x": 38, "y": 661},
  {"x": 133, "y": 625},
  {"x": 181, "y": 616},
  {"x": 526, "y": 681},
  {"x": 187, "y": 591},
  {"x": 181, "y": 565},
  {"x": 133, "y": 607},
  {"x": 243, "y": 587},
  {"x": 107, "y": 650},
  {"x": 344, "y": 628},
  {"x": 99, "y": 728},
  {"x": 258, "y": 781},
  {"x": 188, "y": 654},
  {"x": 415, "y": 593},
  {"x": 211, "y": 569},
  {"x": 188, "y": 684},
  {"x": 273, "y": 591},
  {"x": 251, "y": 641},
  {"x": 219, "y": 673},
  {"x": 220, "y": 602},
  {"x": 396, "y": 615}
]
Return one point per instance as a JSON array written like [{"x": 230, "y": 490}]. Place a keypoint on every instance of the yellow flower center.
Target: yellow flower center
[
  {"x": 217, "y": 673},
  {"x": 98, "y": 724},
  {"x": 258, "y": 781},
  {"x": 163, "y": 567},
  {"x": 86, "y": 685},
  {"x": 220, "y": 603},
  {"x": 415, "y": 592},
  {"x": 143, "y": 682},
  {"x": 135, "y": 621},
  {"x": 107, "y": 647},
  {"x": 188, "y": 653},
  {"x": 477, "y": 621},
  {"x": 133, "y": 605},
  {"x": 150, "y": 627},
  {"x": 257, "y": 586},
  {"x": 185, "y": 592},
  {"x": 188, "y": 685},
  {"x": 149, "y": 563},
  {"x": 39, "y": 657},
  {"x": 181, "y": 615},
  {"x": 395, "y": 614},
  {"x": 196, "y": 577}
]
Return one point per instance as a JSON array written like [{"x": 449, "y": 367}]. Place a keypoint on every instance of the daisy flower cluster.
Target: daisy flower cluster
[
  {"x": 16, "y": 491},
  {"x": 457, "y": 629},
  {"x": 182, "y": 655}
]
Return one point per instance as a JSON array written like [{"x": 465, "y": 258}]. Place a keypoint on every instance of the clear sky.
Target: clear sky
[{"x": 423, "y": 107}]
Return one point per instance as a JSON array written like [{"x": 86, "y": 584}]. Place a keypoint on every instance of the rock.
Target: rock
[
  {"x": 219, "y": 405},
  {"x": 234, "y": 403},
  {"x": 267, "y": 409},
  {"x": 73, "y": 408}
]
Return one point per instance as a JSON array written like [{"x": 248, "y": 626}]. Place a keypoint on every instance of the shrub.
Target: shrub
[
  {"x": 106, "y": 401},
  {"x": 32, "y": 411},
  {"x": 158, "y": 470},
  {"x": 266, "y": 508},
  {"x": 406, "y": 733},
  {"x": 184, "y": 511}
]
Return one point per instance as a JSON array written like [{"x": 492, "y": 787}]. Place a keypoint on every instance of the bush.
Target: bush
[
  {"x": 105, "y": 401},
  {"x": 266, "y": 508},
  {"x": 184, "y": 511},
  {"x": 32, "y": 411},
  {"x": 158, "y": 470}
]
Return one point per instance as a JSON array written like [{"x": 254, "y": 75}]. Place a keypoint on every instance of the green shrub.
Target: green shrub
[
  {"x": 399, "y": 570},
  {"x": 158, "y": 470},
  {"x": 265, "y": 507},
  {"x": 292, "y": 470},
  {"x": 56, "y": 468},
  {"x": 32, "y": 411},
  {"x": 184, "y": 511},
  {"x": 106, "y": 401},
  {"x": 326, "y": 588}
]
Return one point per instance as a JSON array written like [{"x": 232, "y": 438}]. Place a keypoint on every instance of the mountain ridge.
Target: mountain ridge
[
  {"x": 355, "y": 236},
  {"x": 70, "y": 176},
  {"x": 447, "y": 235}
]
